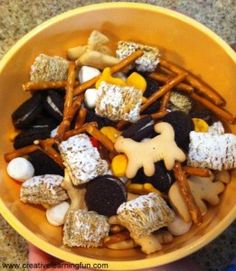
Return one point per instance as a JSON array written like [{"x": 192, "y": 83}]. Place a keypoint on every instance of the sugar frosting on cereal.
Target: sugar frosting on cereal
[
  {"x": 118, "y": 102},
  {"x": 49, "y": 68},
  {"x": 147, "y": 62},
  {"x": 85, "y": 229},
  {"x": 82, "y": 160},
  {"x": 214, "y": 151},
  {"x": 217, "y": 128},
  {"x": 44, "y": 189},
  {"x": 144, "y": 215}
]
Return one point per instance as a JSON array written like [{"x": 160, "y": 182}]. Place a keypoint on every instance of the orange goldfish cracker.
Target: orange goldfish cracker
[
  {"x": 148, "y": 187},
  {"x": 200, "y": 125},
  {"x": 107, "y": 77},
  {"x": 119, "y": 165},
  {"x": 136, "y": 80},
  {"x": 135, "y": 188},
  {"x": 111, "y": 132}
]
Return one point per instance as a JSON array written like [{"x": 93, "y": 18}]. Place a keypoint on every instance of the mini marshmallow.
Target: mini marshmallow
[
  {"x": 56, "y": 214},
  {"x": 20, "y": 169},
  {"x": 53, "y": 133},
  {"x": 86, "y": 73},
  {"x": 179, "y": 226},
  {"x": 90, "y": 97}
]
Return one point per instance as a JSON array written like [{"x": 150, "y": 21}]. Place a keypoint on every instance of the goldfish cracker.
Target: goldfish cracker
[
  {"x": 148, "y": 187},
  {"x": 107, "y": 77},
  {"x": 200, "y": 125},
  {"x": 119, "y": 165},
  {"x": 110, "y": 132},
  {"x": 136, "y": 80}
]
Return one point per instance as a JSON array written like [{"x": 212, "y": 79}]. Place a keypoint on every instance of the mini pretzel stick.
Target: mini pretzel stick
[
  {"x": 117, "y": 228},
  {"x": 20, "y": 152},
  {"x": 165, "y": 78},
  {"x": 163, "y": 90},
  {"x": 81, "y": 118},
  {"x": 202, "y": 172},
  {"x": 34, "y": 86},
  {"x": 115, "y": 238},
  {"x": 104, "y": 140},
  {"x": 221, "y": 113},
  {"x": 184, "y": 188},
  {"x": 73, "y": 132},
  {"x": 126, "y": 244},
  {"x": 48, "y": 149},
  {"x": 201, "y": 87},
  {"x": 65, "y": 124},
  {"x": 76, "y": 194},
  {"x": 158, "y": 115},
  {"x": 118, "y": 67},
  {"x": 165, "y": 101}
]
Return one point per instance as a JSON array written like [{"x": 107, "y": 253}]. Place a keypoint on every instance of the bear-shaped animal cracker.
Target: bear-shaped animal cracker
[{"x": 146, "y": 154}]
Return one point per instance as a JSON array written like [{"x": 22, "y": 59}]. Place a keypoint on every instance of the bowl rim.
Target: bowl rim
[{"x": 126, "y": 264}]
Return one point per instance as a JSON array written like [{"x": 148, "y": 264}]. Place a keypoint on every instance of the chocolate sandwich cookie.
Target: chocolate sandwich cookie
[
  {"x": 201, "y": 112},
  {"x": 105, "y": 194},
  {"x": 24, "y": 115},
  {"x": 182, "y": 124},
  {"x": 161, "y": 180},
  {"x": 143, "y": 128},
  {"x": 27, "y": 136},
  {"x": 43, "y": 164},
  {"x": 152, "y": 87},
  {"x": 44, "y": 122},
  {"x": 54, "y": 104}
]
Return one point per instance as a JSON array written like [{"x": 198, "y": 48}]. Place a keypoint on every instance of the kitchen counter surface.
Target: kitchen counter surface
[{"x": 17, "y": 17}]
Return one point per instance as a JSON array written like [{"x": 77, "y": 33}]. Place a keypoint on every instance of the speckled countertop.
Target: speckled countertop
[{"x": 17, "y": 17}]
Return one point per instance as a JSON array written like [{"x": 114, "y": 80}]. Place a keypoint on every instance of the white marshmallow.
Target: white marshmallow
[
  {"x": 20, "y": 169},
  {"x": 179, "y": 226},
  {"x": 56, "y": 214},
  {"x": 54, "y": 132},
  {"x": 86, "y": 73},
  {"x": 90, "y": 97}
]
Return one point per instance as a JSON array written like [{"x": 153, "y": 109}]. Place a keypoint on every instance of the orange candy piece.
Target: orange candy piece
[{"x": 119, "y": 164}]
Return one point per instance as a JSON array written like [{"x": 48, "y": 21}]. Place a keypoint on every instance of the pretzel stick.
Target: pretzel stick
[
  {"x": 32, "y": 86},
  {"x": 115, "y": 238},
  {"x": 202, "y": 172},
  {"x": 165, "y": 78},
  {"x": 20, "y": 152},
  {"x": 221, "y": 113},
  {"x": 159, "y": 115},
  {"x": 65, "y": 124},
  {"x": 165, "y": 101},
  {"x": 75, "y": 132},
  {"x": 81, "y": 118},
  {"x": 184, "y": 188},
  {"x": 163, "y": 90},
  {"x": 104, "y": 140},
  {"x": 201, "y": 87},
  {"x": 47, "y": 148},
  {"x": 118, "y": 67}
]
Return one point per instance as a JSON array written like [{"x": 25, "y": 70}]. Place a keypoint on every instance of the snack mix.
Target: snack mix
[{"x": 122, "y": 150}]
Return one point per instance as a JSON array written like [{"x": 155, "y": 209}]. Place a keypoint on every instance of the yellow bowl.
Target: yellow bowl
[{"x": 180, "y": 39}]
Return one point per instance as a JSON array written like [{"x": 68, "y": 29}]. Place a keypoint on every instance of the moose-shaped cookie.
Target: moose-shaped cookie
[{"x": 145, "y": 154}]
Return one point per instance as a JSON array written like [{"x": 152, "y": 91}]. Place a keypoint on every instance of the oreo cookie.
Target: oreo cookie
[
  {"x": 182, "y": 124},
  {"x": 54, "y": 104},
  {"x": 143, "y": 128},
  {"x": 27, "y": 136},
  {"x": 152, "y": 87},
  {"x": 27, "y": 112},
  {"x": 43, "y": 122},
  {"x": 43, "y": 164},
  {"x": 105, "y": 194},
  {"x": 161, "y": 180}
]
